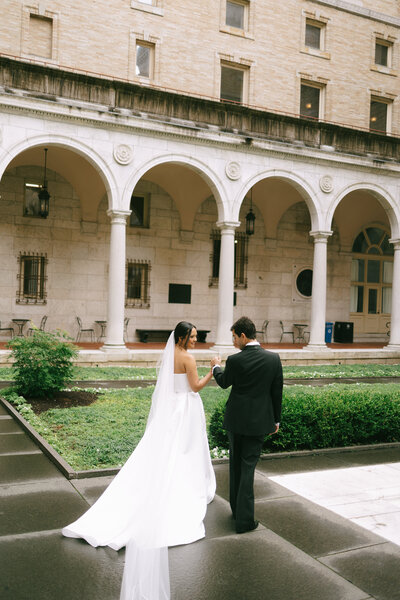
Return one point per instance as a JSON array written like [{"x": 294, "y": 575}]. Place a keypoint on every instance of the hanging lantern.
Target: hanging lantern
[
  {"x": 250, "y": 217},
  {"x": 44, "y": 195}
]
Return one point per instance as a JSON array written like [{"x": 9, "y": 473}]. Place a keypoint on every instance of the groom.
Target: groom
[{"x": 253, "y": 410}]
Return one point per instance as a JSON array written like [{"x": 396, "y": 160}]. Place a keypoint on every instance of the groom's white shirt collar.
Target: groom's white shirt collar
[{"x": 254, "y": 343}]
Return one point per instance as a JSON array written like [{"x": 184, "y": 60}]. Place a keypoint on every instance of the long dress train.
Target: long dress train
[{"x": 159, "y": 498}]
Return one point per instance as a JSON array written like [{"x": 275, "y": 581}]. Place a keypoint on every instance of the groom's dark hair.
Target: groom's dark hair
[{"x": 246, "y": 326}]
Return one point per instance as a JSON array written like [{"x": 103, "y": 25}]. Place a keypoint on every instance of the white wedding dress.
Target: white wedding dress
[{"x": 159, "y": 498}]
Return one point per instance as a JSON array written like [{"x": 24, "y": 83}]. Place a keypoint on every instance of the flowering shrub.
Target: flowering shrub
[
  {"x": 219, "y": 452},
  {"x": 42, "y": 362}
]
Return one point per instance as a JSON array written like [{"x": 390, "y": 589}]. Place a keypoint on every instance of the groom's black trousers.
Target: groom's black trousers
[{"x": 244, "y": 452}]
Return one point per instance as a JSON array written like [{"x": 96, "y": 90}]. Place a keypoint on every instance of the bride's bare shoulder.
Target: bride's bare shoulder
[{"x": 183, "y": 361}]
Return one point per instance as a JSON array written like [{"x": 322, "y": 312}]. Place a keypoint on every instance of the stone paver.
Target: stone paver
[{"x": 300, "y": 551}]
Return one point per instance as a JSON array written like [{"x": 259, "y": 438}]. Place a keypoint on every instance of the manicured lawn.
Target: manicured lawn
[
  {"x": 105, "y": 433},
  {"x": 294, "y": 372}
]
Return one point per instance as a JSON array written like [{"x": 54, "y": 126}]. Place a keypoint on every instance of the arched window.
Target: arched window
[{"x": 372, "y": 272}]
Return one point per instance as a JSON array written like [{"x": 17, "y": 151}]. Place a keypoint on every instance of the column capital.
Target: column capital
[
  {"x": 232, "y": 225},
  {"x": 395, "y": 242},
  {"x": 118, "y": 216},
  {"x": 320, "y": 236}
]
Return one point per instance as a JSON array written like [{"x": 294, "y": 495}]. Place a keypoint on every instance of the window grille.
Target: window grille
[
  {"x": 137, "y": 284},
  {"x": 241, "y": 259},
  {"x": 32, "y": 279}
]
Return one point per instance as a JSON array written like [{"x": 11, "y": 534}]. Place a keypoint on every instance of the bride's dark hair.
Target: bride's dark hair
[{"x": 183, "y": 330}]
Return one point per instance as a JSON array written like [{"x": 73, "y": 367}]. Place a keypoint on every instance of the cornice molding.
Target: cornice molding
[
  {"x": 101, "y": 117},
  {"x": 360, "y": 11}
]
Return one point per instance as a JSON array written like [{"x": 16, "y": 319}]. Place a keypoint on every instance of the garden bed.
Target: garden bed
[{"x": 104, "y": 429}]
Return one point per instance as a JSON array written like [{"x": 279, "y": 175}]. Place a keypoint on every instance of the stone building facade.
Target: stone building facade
[{"x": 165, "y": 124}]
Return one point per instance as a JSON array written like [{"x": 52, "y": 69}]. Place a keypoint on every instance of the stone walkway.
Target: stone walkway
[{"x": 301, "y": 551}]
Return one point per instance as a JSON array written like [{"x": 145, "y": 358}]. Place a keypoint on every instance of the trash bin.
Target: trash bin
[
  {"x": 328, "y": 332},
  {"x": 343, "y": 332}
]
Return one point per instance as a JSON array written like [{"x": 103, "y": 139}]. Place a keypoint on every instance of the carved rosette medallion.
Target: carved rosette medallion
[
  {"x": 233, "y": 170},
  {"x": 326, "y": 184},
  {"x": 123, "y": 154}
]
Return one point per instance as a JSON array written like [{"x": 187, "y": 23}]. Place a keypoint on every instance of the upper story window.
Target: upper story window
[
  {"x": 382, "y": 53},
  {"x": 233, "y": 83},
  {"x": 32, "y": 279},
  {"x": 154, "y": 7},
  {"x": 40, "y": 36},
  {"x": 236, "y": 14},
  {"x": 140, "y": 207},
  {"x": 380, "y": 114},
  {"x": 311, "y": 100},
  {"x": 145, "y": 60},
  {"x": 314, "y": 34}
]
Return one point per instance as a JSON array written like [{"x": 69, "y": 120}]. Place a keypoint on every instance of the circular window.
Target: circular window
[{"x": 304, "y": 282}]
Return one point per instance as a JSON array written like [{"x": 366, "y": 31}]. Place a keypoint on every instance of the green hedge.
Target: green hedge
[{"x": 327, "y": 417}]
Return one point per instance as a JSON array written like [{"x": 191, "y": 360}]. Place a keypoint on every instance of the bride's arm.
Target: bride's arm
[{"x": 191, "y": 370}]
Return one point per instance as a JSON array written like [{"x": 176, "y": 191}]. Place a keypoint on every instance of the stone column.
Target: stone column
[
  {"x": 226, "y": 285},
  {"x": 318, "y": 299},
  {"x": 394, "y": 341},
  {"x": 116, "y": 281}
]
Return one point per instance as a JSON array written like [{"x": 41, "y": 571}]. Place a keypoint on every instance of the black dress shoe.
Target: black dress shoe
[{"x": 246, "y": 529}]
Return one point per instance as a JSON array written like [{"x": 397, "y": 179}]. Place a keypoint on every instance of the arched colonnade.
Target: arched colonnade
[{"x": 114, "y": 171}]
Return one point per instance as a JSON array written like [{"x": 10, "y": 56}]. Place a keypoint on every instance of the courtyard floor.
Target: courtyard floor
[{"x": 329, "y": 528}]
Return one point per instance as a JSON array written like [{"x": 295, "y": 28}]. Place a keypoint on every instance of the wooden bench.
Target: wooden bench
[{"x": 156, "y": 334}]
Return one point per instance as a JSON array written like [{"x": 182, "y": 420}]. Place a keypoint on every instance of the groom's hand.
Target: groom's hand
[{"x": 216, "y": 360}]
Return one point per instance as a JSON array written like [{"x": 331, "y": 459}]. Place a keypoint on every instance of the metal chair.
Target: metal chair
[
  {"x": 10, "y": 329},
  {"x": 263, "y": 330},
  {"x": 285, "y": 332},
  {"x": 388, "y": 328},
  {"x": 41, "y": 326},
  {"x": 126, "y": 321},
  {"x": 84, "y": 330}
]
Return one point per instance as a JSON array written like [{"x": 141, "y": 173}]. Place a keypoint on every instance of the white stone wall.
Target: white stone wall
[
  {"x": 78, "y": 253},
  {"x": 77, "y": 262}
]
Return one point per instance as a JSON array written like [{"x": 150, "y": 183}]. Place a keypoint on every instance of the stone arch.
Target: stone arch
[
  {"x": 298, "y": 183},
  {"x": 380, "y": 194},
  {"x": 93, "y": 159},
  {"x": 200, "y": 168}
]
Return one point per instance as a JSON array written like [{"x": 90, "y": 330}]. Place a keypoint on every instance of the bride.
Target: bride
[{"x": 159, "y": 497}]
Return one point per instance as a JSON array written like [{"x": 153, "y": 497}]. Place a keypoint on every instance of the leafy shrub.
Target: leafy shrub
[
  {"x": 327, "y": 417},
  {"x": 42, "y": 362}
]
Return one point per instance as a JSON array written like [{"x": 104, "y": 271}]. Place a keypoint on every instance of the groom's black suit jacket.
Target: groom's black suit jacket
[{"x": 254, "y": 404}]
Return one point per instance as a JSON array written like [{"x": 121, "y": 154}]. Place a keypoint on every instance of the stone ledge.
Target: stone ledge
[{"x": 246, "y": 123}]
